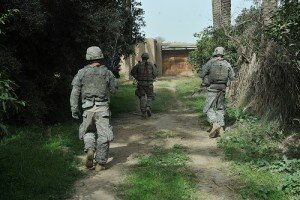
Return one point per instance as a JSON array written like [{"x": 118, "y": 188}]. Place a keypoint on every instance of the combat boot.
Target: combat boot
[
  {"x": 215, "y": 130},
  {"x": 89, "y": 163},
  {"x": 99, "y": 167},
  {"x": 148, "y": 110}
]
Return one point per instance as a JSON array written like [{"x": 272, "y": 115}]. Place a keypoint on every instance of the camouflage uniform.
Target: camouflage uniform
[
  {"x": 94, "y": 84},
  {"x": 145, "y": 73},
  {"x": 217, "y": 74}
]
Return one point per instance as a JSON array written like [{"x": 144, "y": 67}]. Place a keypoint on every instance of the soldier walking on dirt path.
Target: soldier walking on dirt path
[
  {"x": 145, "y": 73},
  {"x": 94, "y": 84},
  {"x": 216, "y": 74}
]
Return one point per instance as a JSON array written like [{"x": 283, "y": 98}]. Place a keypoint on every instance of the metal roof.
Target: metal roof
[{"x": 178, "y": 46}]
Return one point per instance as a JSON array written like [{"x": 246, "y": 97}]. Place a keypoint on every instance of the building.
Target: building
[{"x": 170, "y": 58}]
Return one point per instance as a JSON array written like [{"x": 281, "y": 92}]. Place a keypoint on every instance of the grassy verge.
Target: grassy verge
[
  {"x": 162, "y": 175},
  {"x": 165, "y": 100},
  {"x": 184, "y": 90},
  {"x": 124, "y": 100},
  {"x": 264, "y": 172},
  {"x": 34, "y": 166}
]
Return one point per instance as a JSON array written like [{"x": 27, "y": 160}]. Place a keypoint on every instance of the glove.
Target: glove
[{"x": 75, "y": 113}]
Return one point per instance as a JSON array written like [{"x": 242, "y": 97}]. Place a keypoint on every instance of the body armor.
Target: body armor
[
  {"x": 145, "y": 72},
  {"x": 95, "y": 85},
  {"x": 219, "y": 72}
]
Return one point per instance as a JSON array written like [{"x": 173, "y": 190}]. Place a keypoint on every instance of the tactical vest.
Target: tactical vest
[
  {"x": 145, "y": 72},
  {"x": 95, "y": 84},
  {"x": 218, "y": 72}
]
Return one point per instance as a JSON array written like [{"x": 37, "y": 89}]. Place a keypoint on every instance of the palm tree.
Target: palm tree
[
  {"x": 268, "y": 9},
  {"x": 221, "y": 13}
]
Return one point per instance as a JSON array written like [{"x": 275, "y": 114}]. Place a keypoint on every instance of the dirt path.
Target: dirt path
[{"x": 135, "y": 137}]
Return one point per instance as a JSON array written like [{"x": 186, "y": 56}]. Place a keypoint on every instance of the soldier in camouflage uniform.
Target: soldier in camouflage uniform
[
  {"x": 145, "y": 73},
  {"x": 93, "y": 85},
  {"x": 216, "y": 74}
]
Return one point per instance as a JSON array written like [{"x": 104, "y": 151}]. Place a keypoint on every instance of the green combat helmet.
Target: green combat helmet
[
  {"x": 219, "y": 51},
  {"x": 145, "y": 56},
  {"x": 94, "y": 53}
]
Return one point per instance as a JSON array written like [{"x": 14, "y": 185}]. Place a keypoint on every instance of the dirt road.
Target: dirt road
[{"x": 135, "y": 137}]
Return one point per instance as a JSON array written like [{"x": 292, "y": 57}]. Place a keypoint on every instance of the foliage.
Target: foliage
[
  {"x": 208, "y": 40},
  {"x": 285, "y": 27},
  {"x": 265, "y": 173},
  {"x": 258, "y": 184},
  {"x": 251, "y": 142},
  {"x": 45, "y": 44},
  {"x": 162, "y": 175},
  {"x": 34, "y": 166},
  {"x": 8, "y": 101},
  {"x": 5, "y": 17}
]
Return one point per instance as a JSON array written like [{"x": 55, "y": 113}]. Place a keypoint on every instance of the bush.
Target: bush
[{"x": 208, "y": 40}]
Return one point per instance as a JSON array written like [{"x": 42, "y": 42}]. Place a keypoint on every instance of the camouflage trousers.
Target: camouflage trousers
[
  {"x": 215, "y": 106},
  {"x": 146, "y": 96},
  {"x": 96, "y": 124}
]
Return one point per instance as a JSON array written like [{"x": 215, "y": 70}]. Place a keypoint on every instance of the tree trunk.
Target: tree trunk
[
  {"x": 226, "y": 12},
  {"x": 268, "y": 9},
  {"x": 221, "y": 13}
]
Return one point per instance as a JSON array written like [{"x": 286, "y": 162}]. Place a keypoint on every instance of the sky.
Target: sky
[{"x": 178, "y": 20}]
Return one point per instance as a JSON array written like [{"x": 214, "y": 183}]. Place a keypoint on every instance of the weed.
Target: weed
[
  {"x": 254, "y": 146},
  {"x": 259, "y": 184}
]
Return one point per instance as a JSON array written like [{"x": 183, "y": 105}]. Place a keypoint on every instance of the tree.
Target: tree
[
  {"x": 8, "y": 99},
  {"x": 221, "y": 13},
  {"x": 269, "y": 8},
  {"x": 46, "y": 42}
]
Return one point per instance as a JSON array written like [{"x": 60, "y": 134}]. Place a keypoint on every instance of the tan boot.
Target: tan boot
[
  {"x": 89, "y": 163},
  {"x": 99, "y": 167},
  {"x": 215, "y": 130},
  {"x": 221, "y": 131}
]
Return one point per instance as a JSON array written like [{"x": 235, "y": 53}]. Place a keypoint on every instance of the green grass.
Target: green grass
[
  {"x": 165, "y": 100},
  {"x": 184, "y": 90},
  {"x": 259, "y": 184},
  {"x": 36, "y": 167},
  {"x": 124, "y": 100},
  {"x": 253, "y": 146},
  {"x": 162, "y": 175}
]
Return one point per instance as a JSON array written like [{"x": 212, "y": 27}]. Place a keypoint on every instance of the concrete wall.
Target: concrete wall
[{"x": 151, "y": 47}]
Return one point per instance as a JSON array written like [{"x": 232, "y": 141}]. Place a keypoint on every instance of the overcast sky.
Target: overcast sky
[{"x": 178, "y": 20}]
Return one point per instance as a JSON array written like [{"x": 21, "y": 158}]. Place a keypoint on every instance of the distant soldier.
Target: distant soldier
[
  {"x": 145, "y": 73},
  {"x": 216, "y": 74},
  {"x": 94, "y": 84}
]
